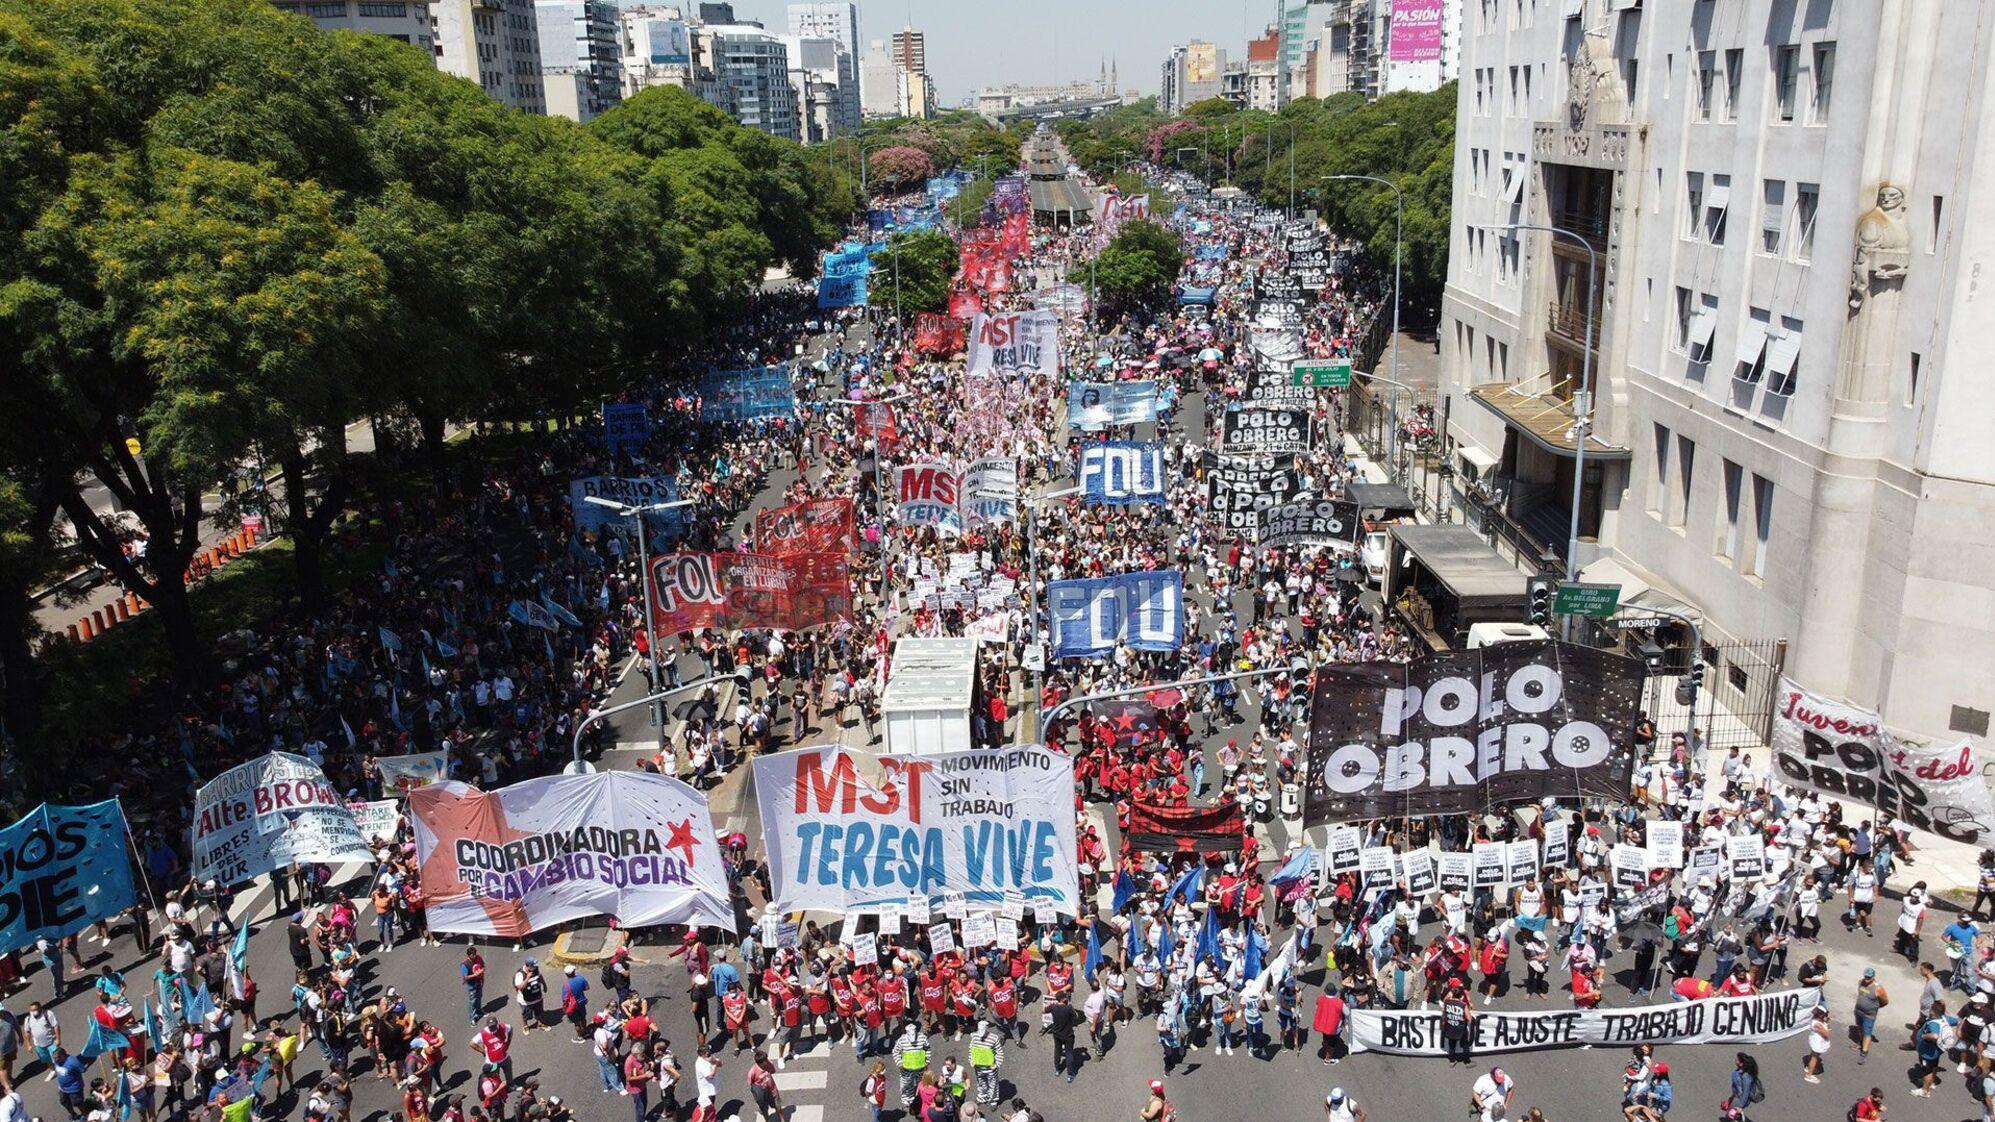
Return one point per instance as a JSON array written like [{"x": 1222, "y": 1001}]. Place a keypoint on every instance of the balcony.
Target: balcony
[
  {"x": 1540, "y": 410},
  {"x": 1592, "y": 227},
  {"x": 1569, "y": 323}
]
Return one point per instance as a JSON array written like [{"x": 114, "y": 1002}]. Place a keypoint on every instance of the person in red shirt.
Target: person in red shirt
[
  {"x": 734, "y": 1017},
  {"x": 793, "y": 1019},
  {"x": 963, "y": 1003},
  {"x": 844, "y": 1002},
  {"x": 1869, "y": 1108},
  {"x": 866, "y": 1029},
  {"x": 1004, "y": 1005},
  {"x": 934, "y": 999},
  {"x": 893, "y": 997},
  {"x": 1738, "y": 984},
  {"x": 1586, "y": 988},
  {"x": 495, "y": 1043},
  {"x": 1692, "y": 989},
  {"x": 1329, "y": 1022},
  {"x": 1493, "y": 962},
  {"x": 1059, "y": 980}
]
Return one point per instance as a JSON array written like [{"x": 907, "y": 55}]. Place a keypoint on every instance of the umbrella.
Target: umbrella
[
  {"x": 1644, "y": 931},
  {"x": 1348, "y": 575}
]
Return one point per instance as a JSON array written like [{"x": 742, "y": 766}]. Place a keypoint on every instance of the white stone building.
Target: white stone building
[
  {"x": 495, "y": 43},
  {"x": 1787, "y": 378}
]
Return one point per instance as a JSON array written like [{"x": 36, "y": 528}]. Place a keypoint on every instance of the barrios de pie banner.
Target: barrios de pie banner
[
  {"x": 272, "y": 812},
  {"x": 850, "y": 831},
  {"x": 632, "y": 845},
  {"x": 1462, "y": 730},
  {"x": 66, "y": 868}
]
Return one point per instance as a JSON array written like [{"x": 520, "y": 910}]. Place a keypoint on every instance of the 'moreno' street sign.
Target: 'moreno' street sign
[{"x": 1334, "y": 375}]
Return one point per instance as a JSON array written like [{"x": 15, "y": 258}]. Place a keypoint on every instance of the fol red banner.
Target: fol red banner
[
  {"x": 811, "y": 526},
  {"x": 938, "y": 334},
  {"x": 739, "y": 591}
]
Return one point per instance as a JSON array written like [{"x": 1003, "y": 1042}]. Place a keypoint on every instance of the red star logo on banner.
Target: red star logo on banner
[{"x": 682, "y": 838}]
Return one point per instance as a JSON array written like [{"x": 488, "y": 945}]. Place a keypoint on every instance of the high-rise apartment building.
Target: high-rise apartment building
[
  {"x": 751, "y": 71},
  {"x": 1765, "y": 294},
  {"x": 405, "y": 20},
  {"x": 825, "y": 81},
  {"x": 879, "y": 82},
  {"x": 495, "y": 43},
  {"x": 580, "y": 62},
  {"x": 1193, "y": 72},
  {"x": 655, "y": 48},
  {"x": 1263, "y": 74},
  {"x": 818, "y": 20}
]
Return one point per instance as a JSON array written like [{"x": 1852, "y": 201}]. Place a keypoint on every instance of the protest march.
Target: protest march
[{"x": 1210, "y": 795}]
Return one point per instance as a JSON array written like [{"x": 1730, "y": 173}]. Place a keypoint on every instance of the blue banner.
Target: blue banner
[
  {"x": 1144, "y": 611},
  {"x": 1209, "y": 251},
  {"x": 851, "y": 261},
  {"x": 916, "y": 218},
  {"x": 747, "y": 394},
  {"x": 1191, "y": 295},
  {"x": 879, "y": 218},
  {"x": 67, "y": 867},
  {"x": 1095, "y": 405},
  {"x": 1122, "y": 472},
  {"x": 841, "y": 292},
  {"x": 944, "y": 187},
  {"x": 625, "y": 427},
  {"x": 666, "y": 526}
]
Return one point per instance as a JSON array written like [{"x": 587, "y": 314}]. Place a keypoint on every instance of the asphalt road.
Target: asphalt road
[{"x": 822, "y": 1083}]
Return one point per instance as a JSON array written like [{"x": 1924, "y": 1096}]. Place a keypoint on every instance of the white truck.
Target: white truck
[{"x": 931, "y": 695}]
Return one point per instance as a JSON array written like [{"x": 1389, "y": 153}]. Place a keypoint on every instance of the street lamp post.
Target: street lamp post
[
  {"x": 638, "y": 511},
  {"x": 879, "y": 484},
  {"x": 1398, "y": 251},
  {"x": 1582, "y": 403},
  {"x": 576, "y": 766}
]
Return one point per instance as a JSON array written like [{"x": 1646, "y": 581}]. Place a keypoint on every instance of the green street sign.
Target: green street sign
[
  {"x": 1597, "y": 600},
  {"x": 1334, "y": 375}
]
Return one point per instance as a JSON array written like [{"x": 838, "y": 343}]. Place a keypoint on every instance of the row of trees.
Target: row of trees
[
  {"x": 226, "y": 235},
  {"x": 1408, "y": 138}
]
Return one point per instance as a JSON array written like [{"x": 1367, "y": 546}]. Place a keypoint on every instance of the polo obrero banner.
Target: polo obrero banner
[
  {"x": 1463, "y": 730},
  {"x": 631, "y": 845}
]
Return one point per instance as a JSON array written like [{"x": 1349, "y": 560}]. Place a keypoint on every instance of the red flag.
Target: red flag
[
  {"x": 938, "y": 334},
  {"x": 876, "y": 419},
  {"x": 811, "y": 526},
  {"x": 964, "y": 305}
]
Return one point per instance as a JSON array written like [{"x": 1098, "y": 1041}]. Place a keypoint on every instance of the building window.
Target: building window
[
  {"x": 1825, "y": 80},
  {"x": 1735, "y": 72},
  {"x": 386, "y": 9},
  {"x": 1629, "y": 71},
  {"x": 1807, "y": 198},
  {"x": 1939, "y": 216},
  {"x": 1751, "y": 353},
  {"x": 1707, "y": 82},
  {"x": 1762, "y": 524},
  {"x": 1786, "y": 74},
  {"x": 1773, "y": 215},
  {"x": 326, "y": 9},
  {"x": 1703, "y": 329},
  {"x": 1693, "y": 202},
  {"x": 1686, "y": 307},
  {"x": 1912, "y": 383},
  {"x": 1686, "y": 462},
  {"x": 1783, "y": 357},
  {"x": 1728, "y": 534},
  {"x": 1659, "y": 494},
  {"x": 1717, "y": 204}
]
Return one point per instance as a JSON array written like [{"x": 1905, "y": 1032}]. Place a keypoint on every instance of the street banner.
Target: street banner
[
  {"x": 1023, "y": 342},
  {"x": 1096, "y": 405},
  {"x": 1330, "y": 522},
  {"x": 1123, "y": 472},
  {"x": 993, "y": 628},
  {"x": 1416, "y": 30},
  {"x": 641, "y": 490},
  {"x": 1185, "y": 829},
  {"x": 65, "y": 868},
  {"x": 1277, "y": 389},
  {"x": 938, "y": 334},
  {"x": 848, "y": 831},
  {"x": 272, "y": 812},
  {"x": 1277, "y": 349},
  {"x": 1281, "y": 314},
  {"x": 1761, "y": 1019},
  {"x": 1238, "y": 489},
  {"x": 1262, "y": 431},
  {"x": 990, "y": 491},
  {"x": 1066, "y": 299},
  {"x": 625, "y": 428},
  {"x": 1144, "y": 610},
  {"x": 402, "y": 774},
  {"x": 380, "y": 819},
  {"x": 1464, "y": 730},
  {"x": 876, "y": 419},
  {"x": 965, "y": 305},
  {"x": 737, "y": 591},
  {"x": 929, "y": 494},
  {"x": 748, "y": 394},
  {"x": 635, "y": 846},
  {"x": 528, "y": 613},
  {"x": 1127, "y": 722},
  {"x": 811, "y": 526},
  {"x": 1845, "y": 751}
]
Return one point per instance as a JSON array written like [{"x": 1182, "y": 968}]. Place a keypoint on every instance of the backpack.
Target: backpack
[
  {"x": 1170, "y": 1112},
  {"x": 1949, "y": 1035},
  {"x": 609, "y": 978}
]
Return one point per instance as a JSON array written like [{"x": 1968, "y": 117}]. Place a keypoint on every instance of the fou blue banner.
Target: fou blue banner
[
  {"x": 1122, "y": 472},
  {"x": 1143, "y": 610},
  {"x": 65, "y": 868}
]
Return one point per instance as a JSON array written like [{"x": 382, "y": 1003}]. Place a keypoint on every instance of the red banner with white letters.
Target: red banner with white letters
[
  {"x": 739, "y": 591},
  {"x": 938, "y": 334},
  {"x": 811, "y": 526}
]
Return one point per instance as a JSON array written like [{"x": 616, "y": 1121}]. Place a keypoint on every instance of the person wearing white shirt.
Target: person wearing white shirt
[{"x": 1491, "y": 1091}]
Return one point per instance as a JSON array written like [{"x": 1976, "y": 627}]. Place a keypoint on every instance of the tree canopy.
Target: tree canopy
[
  {"x": 1138, "y": 265},
  {"x": 913, "y": 273},
  {"x": 226, "y": 235}
]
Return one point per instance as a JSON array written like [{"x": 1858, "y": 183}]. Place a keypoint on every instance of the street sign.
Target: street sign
[
  {"x": 1597, "y": 600},
  {"x": 1335, "y": 375}
]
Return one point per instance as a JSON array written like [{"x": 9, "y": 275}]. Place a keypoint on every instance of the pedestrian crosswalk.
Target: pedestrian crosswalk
[{"x": 805, "y": 1084}]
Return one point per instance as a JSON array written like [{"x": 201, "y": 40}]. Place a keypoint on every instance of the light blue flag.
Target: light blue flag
[
  {"x": 1125, "y": 887},
  {"x": 239, "y": 950},
  {"x": 1300, "y": 865},
  {"x": 199, "y": 1005},
  {"x": 1092, "y": 962},
  {"x": 1187, "y": 885},
  {"x": 1257, "y": 950},
  {"x": 103, "y": 1040},
  {"x": 560, "y": 613},
  {"x": 391, "y": 640},
  {"x": 1208, "y": 936}
]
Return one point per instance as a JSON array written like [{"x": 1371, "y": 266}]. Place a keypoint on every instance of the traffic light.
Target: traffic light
[
  {"x": 1691, "y": 682},
  {"x": 1539, "y": 598}
]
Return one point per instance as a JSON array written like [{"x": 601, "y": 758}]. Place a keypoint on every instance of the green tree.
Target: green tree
[
  {"x": 1139, "y": 265},
  {"x": 918, "y": 267}
]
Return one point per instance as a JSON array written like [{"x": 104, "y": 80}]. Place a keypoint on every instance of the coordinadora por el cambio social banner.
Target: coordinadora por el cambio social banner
[
  {"x": 632, "y": 845},
  {"x": 849, "y": 831}
]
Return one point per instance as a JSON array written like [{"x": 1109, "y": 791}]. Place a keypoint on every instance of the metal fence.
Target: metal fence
[{"x": 1735, "y": 707}]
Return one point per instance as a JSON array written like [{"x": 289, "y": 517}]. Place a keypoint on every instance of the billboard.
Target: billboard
[
  {"x": 670, "y": 43},
  {"x": 1416, "y": 31},
  {"x": 1202, "y": 62}
]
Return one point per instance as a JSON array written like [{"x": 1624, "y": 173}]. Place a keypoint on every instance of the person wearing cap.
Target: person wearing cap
[
  {"x": 1457, "y": 1023},
  {"x": 1490, "y": 1097},
  {"x": 1652, "y": 1102},
  {"x": 986, "y": 1056},
  {"x": 1870, "y": 997},
  {"x": 530, "y": 988},
  {"x": 1339, "y": 1106},
  {"x": 1159, "y": 1108},
  {"x": 575, "y": 1002}
]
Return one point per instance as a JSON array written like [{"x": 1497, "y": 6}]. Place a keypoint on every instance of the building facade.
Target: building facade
[
  {"x": 495, "y": 43},
  {"x": 879, "y": 82},
  {"x": 655, "y": 48},
  {"x": 1193, "y": 72},
  {"x": 1264, "y": 72},
  {"x": 1767, "y": 294},
  {"x": 751, "y": 71},
  {"x": 580, "y": 57},
  {"x": 825, "y": 82},
  {"x": 406, "y": 21},
  {"x": 838, "y": 21}
]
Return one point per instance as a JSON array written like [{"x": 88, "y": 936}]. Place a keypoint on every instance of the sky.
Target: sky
[{"x": 978, "y": 43}]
